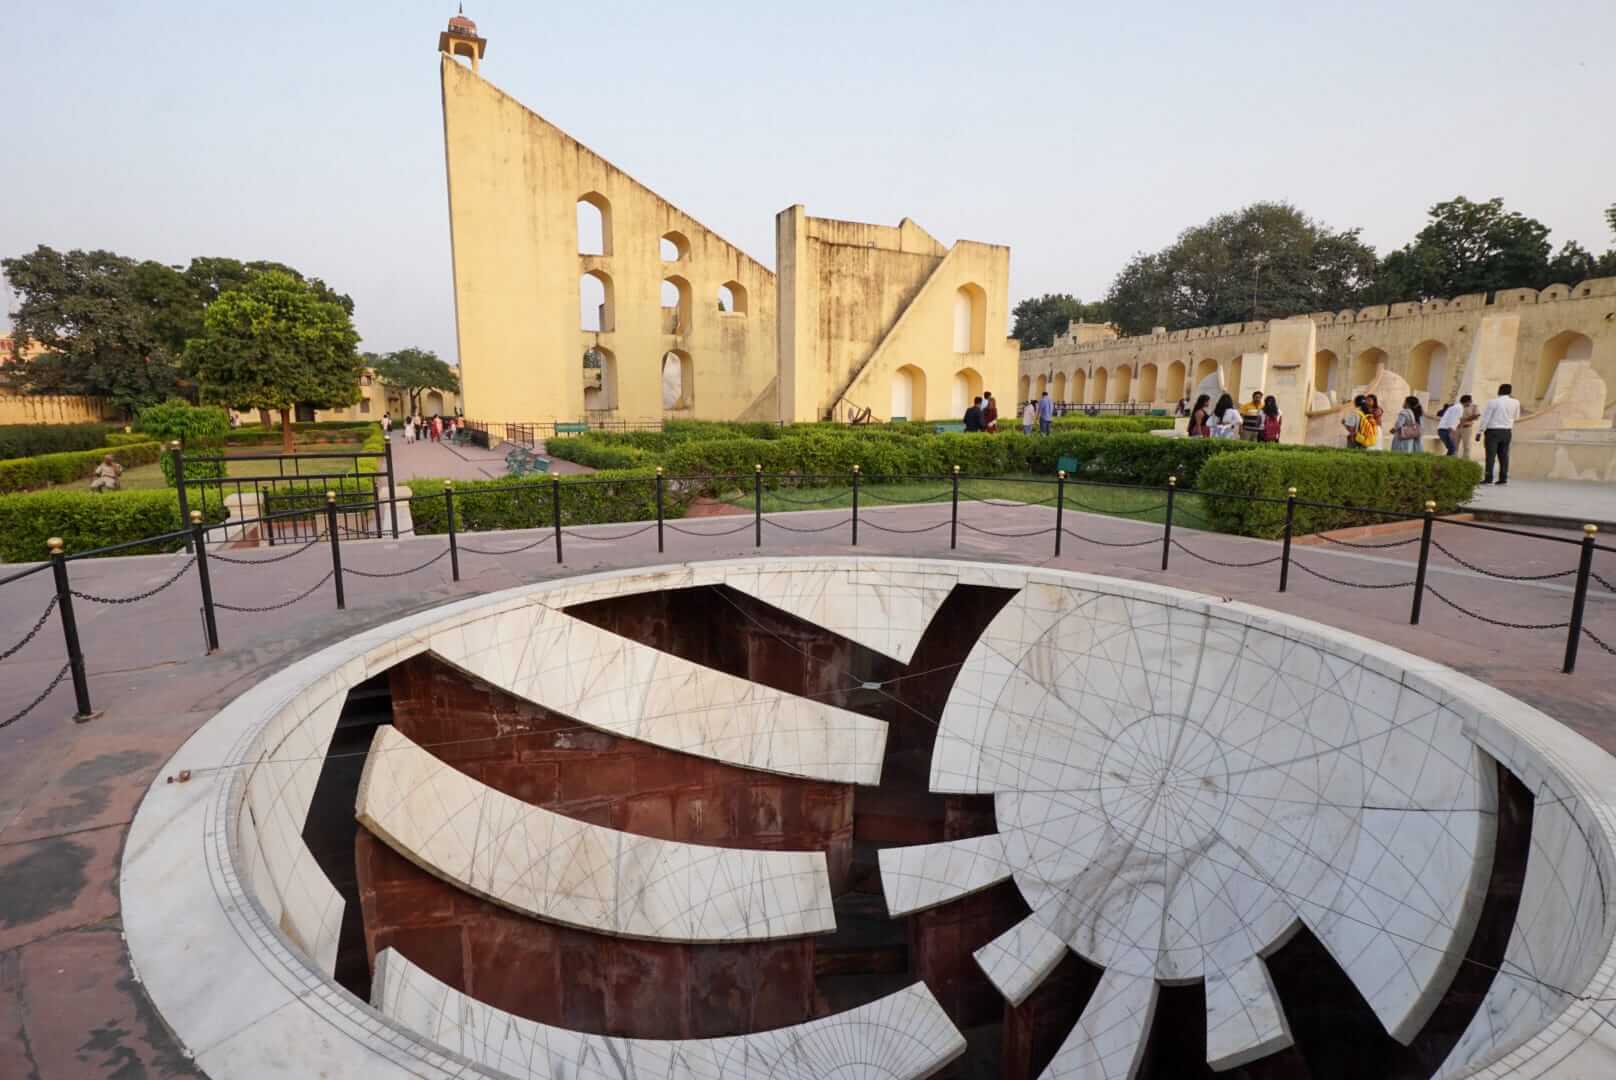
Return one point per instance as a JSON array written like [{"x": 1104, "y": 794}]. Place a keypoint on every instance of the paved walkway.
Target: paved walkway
[
  {"x": 69, "y": 1007},
  {"x": 439, "y": 460},
  {"x": 1572, "y": 500}
]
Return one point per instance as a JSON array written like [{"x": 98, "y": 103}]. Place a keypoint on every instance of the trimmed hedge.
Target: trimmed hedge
[
  {"x": 596, "y": 499},
  {"x": 325, "y": 431},
  {"x": 127, "y": 438},
  {"x": 1113, "y": 424},
  {"x": 1383, "y": 480},
  {"x": 85, "y": 520},
  {"x": 32, "y": 440},
  {"x": 28, "y": 473}
]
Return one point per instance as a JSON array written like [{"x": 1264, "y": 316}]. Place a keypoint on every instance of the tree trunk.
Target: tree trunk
[
  {"x": 263, "y": 419},
  {"x": 286, "y": 431}
]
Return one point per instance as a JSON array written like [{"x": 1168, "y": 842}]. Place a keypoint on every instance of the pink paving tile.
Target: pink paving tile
[{"x": 59, "y": 883}]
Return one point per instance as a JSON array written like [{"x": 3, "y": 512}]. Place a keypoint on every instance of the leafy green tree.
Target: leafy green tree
[
  {"x": 1039, "y": 319},
  {"x": 1265, "y": 261},
  {"x": 415, "y": 371},
  {"x": 193, "y": 425},
  {"x": 273, "y": 343},
  {"x": 1470, "y": 247}
]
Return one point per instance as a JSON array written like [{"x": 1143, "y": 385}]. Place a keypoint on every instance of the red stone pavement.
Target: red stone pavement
[{"x": 68, "y": 1005}]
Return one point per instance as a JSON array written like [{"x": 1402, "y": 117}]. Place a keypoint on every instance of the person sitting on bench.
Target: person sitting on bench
[{"x": 106, "y": 475}]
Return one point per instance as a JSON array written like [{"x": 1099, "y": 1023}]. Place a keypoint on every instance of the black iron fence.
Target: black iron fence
[
  {"x": 852, "y": 492},
  {"x": 288, "y": 505}
]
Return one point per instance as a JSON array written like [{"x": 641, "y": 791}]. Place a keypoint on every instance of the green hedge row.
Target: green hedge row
[
  {"x": 1351, "y": 478},
  {"x": 29, "y": 473},
  {"x": 598, "y": 498},
  {"x": 1113, "y": 424},
  {"x": 127, "y": 438},
  {"x": 31, "y": 440},
  {"x": 85, "y": 520}
]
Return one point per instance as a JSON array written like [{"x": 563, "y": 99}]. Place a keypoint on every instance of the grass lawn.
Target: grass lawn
[
  {"x": 1134, "y": 503},
  {"x": 150, "y": 477}
]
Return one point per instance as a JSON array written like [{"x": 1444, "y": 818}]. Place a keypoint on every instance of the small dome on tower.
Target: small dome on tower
[{"x": 459, "y": 24}]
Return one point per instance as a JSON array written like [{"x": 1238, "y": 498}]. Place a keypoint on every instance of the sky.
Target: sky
[{"x": 1077, "y": 133}]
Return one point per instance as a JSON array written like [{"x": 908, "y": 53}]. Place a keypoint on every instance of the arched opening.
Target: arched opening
[
  {"x": 1078, "y": 386},
  {"x": 1097, "y": 392},
  {"x": 1175, "y": 381},
  {"x": 970, "y": 319},
  {"x": 678, "y": 380},
  {"x": 1366, "y": 365},
  {"x": 600, "y": 380},
  {"x": 967, "y": 388},
  {"x": 674, "y": 246},
  {"x": 1039, "y": 385},
  {"x": 909, "y": 394},
  {"x": 1324, "y": 366},
  {"x": 1121, "y": 384},
  {"x": 1237, "y": 368},
  {"x": 1059, "y": 393},
  {"x": 1568, "y": 345},
  {"x": 432, "y": 404},
  {"x": 1207, "y": 371},
  {"x": 596, "y": 309},
  {"x": 1428, "y": 369},
  {"x": 732, "y": 298},
  {"x": 675, "y": 305},
  {"x": 594, "y": 224},
  {"x": 1025, "y": 386},
  {"x": 1147, "y": 384}
]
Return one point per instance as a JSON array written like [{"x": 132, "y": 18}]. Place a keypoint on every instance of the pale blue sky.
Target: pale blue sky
[{"x": 1077, "y": 133}]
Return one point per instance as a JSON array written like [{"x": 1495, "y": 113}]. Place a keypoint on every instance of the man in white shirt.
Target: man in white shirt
[
  {"x": 1498, "y": 418},
  {"x": 1447, "y": 428}
]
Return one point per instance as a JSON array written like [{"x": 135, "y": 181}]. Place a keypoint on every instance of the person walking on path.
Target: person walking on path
[
  {"x": 990, "y": 412},
  {"x": 1352, "y": 420},
  {"x": 1271, "y": 420},
  {"x": 1497, "y": 429},
  {"x": 1407, "y": 435},
  {"x": 1046, "y": 413},
  {"x": 1467, "y": 424},
  {"x": 1199, "y": 428},
  {"x": 387, "y": 425},
  {"x": 1447, "y": 426},
  {"x": 973, "y": 415},
  {"x": 1029, "y": 417}
]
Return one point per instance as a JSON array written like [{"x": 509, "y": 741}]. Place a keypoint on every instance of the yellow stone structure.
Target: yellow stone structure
[{"x": 581, "y": 294}]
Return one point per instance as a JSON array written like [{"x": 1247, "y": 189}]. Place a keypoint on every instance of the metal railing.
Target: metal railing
[
  {"x": 548, "y": 510},
  {"x": 298, "y": 489}
]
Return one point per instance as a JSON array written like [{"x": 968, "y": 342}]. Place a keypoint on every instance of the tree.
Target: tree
[
  {"x": 1265, "y": 261},
  {"x": 1470, "y": 247},
  {"x": 108, "y": 323},
  {"x": 1038, "y": 320},
  {"x": 415, "y": 371},
  {"x": 273, "y": 343}
]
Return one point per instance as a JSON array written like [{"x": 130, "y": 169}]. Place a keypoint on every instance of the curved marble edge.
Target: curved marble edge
[
  {"x": 903, "y": 1036},
  {"x": 560, "y": 869},
  {"x": 237, "y": 994}
]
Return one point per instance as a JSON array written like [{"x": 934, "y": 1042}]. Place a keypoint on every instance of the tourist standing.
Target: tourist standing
[
  {"x": 1029, "y": 417},
  {"x": 1407, "y": 434},
  {"x": 990, "y": 412},
  {"x": 1199, "y": 428},
  {"x": 1498, "y": 418},
  {"x": 1467, "y": 424},
  {"x": 973, "y": 415},
  {"x": 1228, "y": 418},
  {"x": 409, "y": 429},
  {"x": 1352, "y": 421},
  {"x": 1271, "y": 420},
  {"x": 1447, "y": 425},
  {"x": 1046, "y": 413},
  {"x": 387, "y": 425},
  {"x": 1183, "y": 408}
]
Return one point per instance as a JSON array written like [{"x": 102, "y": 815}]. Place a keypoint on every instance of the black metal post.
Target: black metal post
[
  {"x": 555, "y": 510},
  {"x": 336, "y": 546},
  {"x": 1167, "y": 522},
  {"x": 177, "y": 453},
  {"x": 757, "y": 505},
  {"x": 1285, "y": 552},
  {"x": 659, "y": 509},
  {"x": 1585, "y": 568},
  {"x": 70, "y": 631},
  {"x": 454, "y": 547},
  {"x": 1425, "y": 556},
  {"x": 1060, "y": 507},
  {"x": 855, "y": 504},
  {"x": 199, "y": 534},
  {"x": 953, "y": 526},
  {"x": 392, "y": 496}
]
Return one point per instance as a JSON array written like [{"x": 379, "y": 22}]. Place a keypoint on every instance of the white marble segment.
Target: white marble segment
[
  {"x": 1108, "y": 1040},
  {"x": 1020, "y": 958},
  {"x": 903, "y": 1035},
  {"x": 1244, "y": 1019},
  {"x": 925, "y": 875},
  {"x": 884, "y": 611},
  {"x": 558, "y": 868}
]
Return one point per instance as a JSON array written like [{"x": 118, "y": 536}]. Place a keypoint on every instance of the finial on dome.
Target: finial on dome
[{"x": 460, "y": 38}]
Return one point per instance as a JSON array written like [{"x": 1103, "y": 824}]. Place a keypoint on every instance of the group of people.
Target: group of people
[
  {"x": 418, "y": 427},
  {"x": 1259, "y": 420},
  {"x": 1493, "y": 427},
  {"x": 983, "y": 415}
]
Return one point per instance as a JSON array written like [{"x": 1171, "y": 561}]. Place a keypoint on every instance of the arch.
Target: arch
[
  {"x": 1121, "y": 382},
  {"x": 1237, "y": 369},
  {"x": 967, "y": 387},
  {"x": 1428, "y": 369},
  {"x": 732, "y": 298},
  {"x": 1175, "y": 382},
  {"x": 1146, "y": 391},
  {"x": 1567, "y": 345},
  {"x": 675, "y": 305},
  {"x": 909, "y": 393},
  {"x": 1078, "y": 386},
  {"x": 1039, "y": 385},
  {"x": 1097, "y": 391},
  {"x": 1366, "y": 365},
  {"x": 432, "y": 404},
  {"x": 594, "y": 224},
  {"x": 1025, "y": 386},
  {"x": 674, "y": 246},
  {"x": 1324, "y": 366},
  {"x": 1207, "y": 368},
  {"x": 678, "y": 380},
  {"x": 1059, "y": 391},
  {"x": 600, "y": 380},
  {"x": 970, "y": 319},
  {"x": 597, "y": 307}
]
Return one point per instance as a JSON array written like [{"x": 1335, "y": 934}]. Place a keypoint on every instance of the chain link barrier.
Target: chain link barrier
[
  {"x": 250, "y": 609},
  {"x": 572, "y": 530},
  {"x": 1118, "y": 513},
  {"x": 1350, "y": 584},
  {"x": 1354, "y": 544},
  {"x": 1601, "y": 642},
  {"x": 115, "y": 600},
  {"x": 1010, "y": 505},
  {"x": 1602, "y": 581},
  {"x": 888, "y": 529},
  {"x": 545, "y": 539},
  {"x": 1109, "y": 543},
  {"x": 1007, "y": 535},
  {"x": 1220, "y": 562},
  {"x": 726, "y": 532},
  {"x": 823, "y": 528},
  {"x": 395, "y": 573},
  {"x": 262, "y": 562},
  {"x": 941, "y": 496},
  {"x": 34, "y": 704},
  {"x": 840, "y": 493},
  {"x": 1494, "y": 574},
  {"x": 1498, "y": 622},
  {"x": 31, "y": 634}
]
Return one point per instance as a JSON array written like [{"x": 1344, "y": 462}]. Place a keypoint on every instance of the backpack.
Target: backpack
[
  {"x": 1270, "y": 429},
  {"x": 1368, "y": 433}
]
